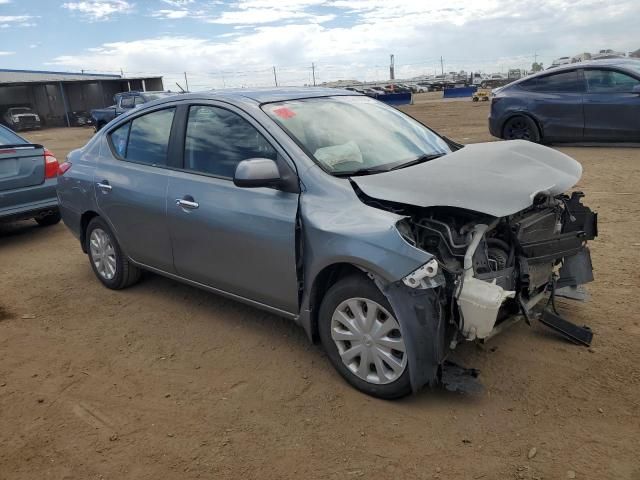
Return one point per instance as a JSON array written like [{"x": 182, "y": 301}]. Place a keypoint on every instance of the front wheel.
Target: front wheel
[
  {"x": 521, "y": 128},
  {"x": 363, "y": 338}
]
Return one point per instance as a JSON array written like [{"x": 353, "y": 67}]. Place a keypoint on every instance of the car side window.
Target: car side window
[
  {"x": 217, "y": 140},
  {"x": 609, "y": 81},
  {"x": 145, "y": 139},
  {"x": 119, "y": 139},
  {"x": 126, "y": 102},
  {"x": 562, "y": 82},
  {"x": 138, "y": 101}
]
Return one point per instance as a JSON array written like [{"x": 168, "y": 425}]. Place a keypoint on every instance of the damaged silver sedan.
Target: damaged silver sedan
[{"x": 388, "y": 243}]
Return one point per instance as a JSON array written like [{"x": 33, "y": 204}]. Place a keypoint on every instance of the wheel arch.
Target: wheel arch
[
  {"x": 325, "y": 278},
  {"x": 84, "y": 223}
]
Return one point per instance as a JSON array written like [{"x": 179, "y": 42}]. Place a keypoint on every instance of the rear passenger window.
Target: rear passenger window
[
  {"x": 217, "y": 140},
  {"x": 146, "y": 138},
  {"x": 126, "y": 102},
  {"x": 563, "y": 82},
  {"x": 119, "y": 139}
]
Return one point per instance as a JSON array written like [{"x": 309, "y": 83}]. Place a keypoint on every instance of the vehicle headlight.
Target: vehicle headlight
[
  {"x": 37, "y": 117},
  {"x": 14, "y": 118},
  {"x": 426, "y": 276}
]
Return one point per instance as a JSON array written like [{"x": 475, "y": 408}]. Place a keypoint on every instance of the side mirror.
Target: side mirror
[
  {"x": 636, "y": 89},
  {"x": 257, "y": 172}
]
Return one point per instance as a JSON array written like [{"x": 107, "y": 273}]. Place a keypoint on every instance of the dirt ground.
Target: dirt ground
[{"x": 165, "y": 381}]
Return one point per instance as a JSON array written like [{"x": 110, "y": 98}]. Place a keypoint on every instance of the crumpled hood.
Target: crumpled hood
[{"x": 495, "y": 178}]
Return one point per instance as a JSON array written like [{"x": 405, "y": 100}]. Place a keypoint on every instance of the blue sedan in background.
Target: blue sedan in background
[{"x": 597, "y": 101}]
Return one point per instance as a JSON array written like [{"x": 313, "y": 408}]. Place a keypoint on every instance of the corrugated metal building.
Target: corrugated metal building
[{"x": 53, "y": 95}]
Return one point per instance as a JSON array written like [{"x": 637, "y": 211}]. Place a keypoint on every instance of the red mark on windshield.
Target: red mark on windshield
[{"x": 284, "y": 112}]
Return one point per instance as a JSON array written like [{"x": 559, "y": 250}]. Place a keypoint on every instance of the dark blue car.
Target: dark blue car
[{"x": 597, "y": 101}]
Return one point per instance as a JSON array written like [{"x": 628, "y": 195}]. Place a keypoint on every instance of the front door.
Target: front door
[
  {"x": 131, "y": 184},
  {"x": 238, "y": 240},
  {"x": 611, "y": 109}
]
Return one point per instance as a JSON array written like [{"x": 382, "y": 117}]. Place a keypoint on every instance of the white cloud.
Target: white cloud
[
  {"x": 172, "y": 14},
  {"x": 15, "y": 18},
  {"x": 96, "y": 10},
  {"x": 10, "y": 21},
  {"x": 489, "y": 36},
  {"x": 2, "y": 54},
  {"x": 178, "y": 3}
]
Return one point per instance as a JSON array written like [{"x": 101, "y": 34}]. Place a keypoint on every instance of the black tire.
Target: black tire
[
  {"x": 357, "y": 286},
  {"x": 126, "y": 274},
  {"x": 521, "y": 127},
  {"x": 48, "y": 220}
]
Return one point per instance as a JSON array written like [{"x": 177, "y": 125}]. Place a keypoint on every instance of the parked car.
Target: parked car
[
  {"x": 80, "y": 118},
  {"x": 28, "y": 174},
  {"x": 596, "y": 101},
  {"x": 124, "y": 102},
  {"x": 21, "y": 118},
  {"x": 387, "y": 242},
  {"x": 397, "y": 88},
  {"x": 560, "y": 61}
]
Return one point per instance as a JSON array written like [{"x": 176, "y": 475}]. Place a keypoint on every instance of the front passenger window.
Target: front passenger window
[
  {"x": 217, "y": 140},
  {"x": 609, "y": 81}
]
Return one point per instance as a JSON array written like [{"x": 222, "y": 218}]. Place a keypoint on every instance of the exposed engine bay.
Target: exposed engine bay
[{"x": 495, "y": 268}]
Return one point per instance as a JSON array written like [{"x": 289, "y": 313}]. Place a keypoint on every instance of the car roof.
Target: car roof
[
  {"x": 630, "y": 65},
  {"x": 261, "y": 95}
]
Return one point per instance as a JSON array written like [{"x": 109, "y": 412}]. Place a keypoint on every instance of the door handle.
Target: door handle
[
  {"x": 104, "y": 186},
  {"x": 187, "y": 203}
]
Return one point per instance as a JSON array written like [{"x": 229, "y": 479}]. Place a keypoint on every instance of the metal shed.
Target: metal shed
[{"x": 53, "y": 95}]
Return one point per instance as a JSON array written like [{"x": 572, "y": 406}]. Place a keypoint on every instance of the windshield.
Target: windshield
[
  {"x": 631, "y": 65},
  {"x": 347, "y": 134},
  {"x": 15, "y": 111}
]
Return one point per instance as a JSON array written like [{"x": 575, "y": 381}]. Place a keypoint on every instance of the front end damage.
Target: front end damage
[{"x": 488, "y": 272}]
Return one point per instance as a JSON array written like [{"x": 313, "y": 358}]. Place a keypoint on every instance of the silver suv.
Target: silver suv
[{"x": 386, "y": 242}]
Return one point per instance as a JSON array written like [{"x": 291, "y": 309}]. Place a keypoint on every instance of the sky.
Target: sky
[{"x": 237, "y": 43}]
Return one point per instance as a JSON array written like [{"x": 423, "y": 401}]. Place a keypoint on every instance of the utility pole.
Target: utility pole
[
  {"x": 186, "y": 82},
  {"x": 121, "y": 73},
  {"x": 313, "y": 71},
  {"x": 441, "y": 65},
  {"x": 392, "y": 73},
  {"x": 275, "y": 78}
]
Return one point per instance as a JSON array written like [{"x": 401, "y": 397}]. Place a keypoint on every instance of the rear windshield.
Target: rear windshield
[{"x": 7, "y": 137}]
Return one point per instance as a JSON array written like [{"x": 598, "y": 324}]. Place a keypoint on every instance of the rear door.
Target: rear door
[
  {"x": 611, "y": 109},
  {"x": 556, "y": 100},
  {"x": 238, "y": 240},
  {"x": 21, "y": 164},
  {"x": 131, "y": 186}
]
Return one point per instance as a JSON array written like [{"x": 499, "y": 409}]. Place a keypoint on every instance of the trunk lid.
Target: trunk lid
[
  {"x": 21, "y": 165},
  {"x": 495, "y": 178}
]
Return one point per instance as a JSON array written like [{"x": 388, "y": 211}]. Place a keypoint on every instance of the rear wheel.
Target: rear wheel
[
  {"x": 363, "y": 338},
  {"x": 521, "y": 128},
  {"x": 48, "y": 220},
  {"x": 110, "y": 265}
]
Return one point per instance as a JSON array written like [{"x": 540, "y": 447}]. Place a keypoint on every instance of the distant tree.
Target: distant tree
[
  {"x": 537, "y": 67},
  {"x": 635, "y": 54}
]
